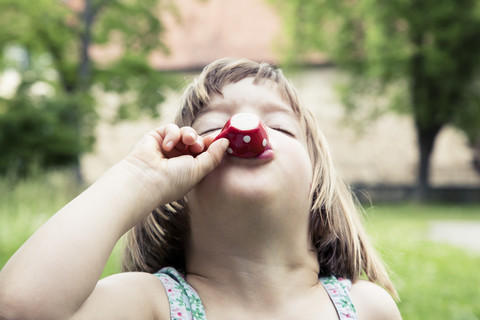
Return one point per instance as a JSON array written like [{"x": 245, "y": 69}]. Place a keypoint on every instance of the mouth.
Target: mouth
[{"x": 267, "y": 154}]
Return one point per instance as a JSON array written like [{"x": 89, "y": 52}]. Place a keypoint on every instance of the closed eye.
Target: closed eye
[
  {"x": 209, "y": 131},
  {"x": 284, "y": 131}
]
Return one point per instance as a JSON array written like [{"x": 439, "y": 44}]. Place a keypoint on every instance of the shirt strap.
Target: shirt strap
[
  {"x": 185, "y": 303},
  {"x": 339, "y": 292}
]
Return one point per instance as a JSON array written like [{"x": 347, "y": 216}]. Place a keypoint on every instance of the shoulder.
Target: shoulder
[
  {"x": 130, "y": 295},
  {"x": 373, "y": 302}
]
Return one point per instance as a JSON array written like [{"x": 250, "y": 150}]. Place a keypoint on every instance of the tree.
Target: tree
[
  {"x": 423, "y": 54},
  {"x": 50, "y": 42}
]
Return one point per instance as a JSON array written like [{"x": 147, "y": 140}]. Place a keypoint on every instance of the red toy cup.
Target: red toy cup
[{"x": 247, "y": 135}]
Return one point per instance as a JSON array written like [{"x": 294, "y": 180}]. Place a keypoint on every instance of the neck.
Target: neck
[{"x": 251, "y": 255}]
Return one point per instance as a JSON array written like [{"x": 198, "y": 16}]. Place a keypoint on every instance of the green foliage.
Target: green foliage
[
  {"x": 40, "y": 134},
  {"x": 383, "y": 43},
  {"x": 418, "y": 56},
  {"x": 133, "y": 74},
  {"x": 428, "y": 50},
  {"x": 49, "y": 43}
]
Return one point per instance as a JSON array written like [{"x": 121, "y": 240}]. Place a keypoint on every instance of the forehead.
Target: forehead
[{"x": 259, "y": 96}]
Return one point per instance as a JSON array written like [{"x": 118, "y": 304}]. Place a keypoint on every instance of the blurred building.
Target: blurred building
[
  {"x": 212, "y": 29},
  {"x": 384, "y": 153}
]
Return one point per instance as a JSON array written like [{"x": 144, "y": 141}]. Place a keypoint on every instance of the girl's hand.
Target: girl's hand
[
  {"x": 169, "y": 161},
  {"x": 164, "y": 165}
]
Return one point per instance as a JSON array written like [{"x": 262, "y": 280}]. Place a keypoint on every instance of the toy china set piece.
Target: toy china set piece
[{"x": 247, "y": 135}]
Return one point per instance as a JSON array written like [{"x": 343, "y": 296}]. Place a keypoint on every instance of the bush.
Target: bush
[{"x": 42, "y": 133}]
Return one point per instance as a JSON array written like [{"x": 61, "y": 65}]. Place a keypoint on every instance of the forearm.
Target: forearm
[
  {"x": 56, "y": 270},
  {"x": 59, "y": 266}
]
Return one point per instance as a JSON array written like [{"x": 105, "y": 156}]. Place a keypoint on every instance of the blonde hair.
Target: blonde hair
[{"x": 335, "y": 227}]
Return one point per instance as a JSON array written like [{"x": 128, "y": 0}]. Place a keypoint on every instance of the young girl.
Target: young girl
[{"x": 270, "y": 237}]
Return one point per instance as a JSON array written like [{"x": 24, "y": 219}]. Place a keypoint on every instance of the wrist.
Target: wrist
[
  {"x": 143, "y": 182},
  {"x": 127, "y": 192}
]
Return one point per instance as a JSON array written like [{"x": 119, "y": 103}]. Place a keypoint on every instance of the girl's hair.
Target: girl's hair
[{"x": 336, "y": 230}]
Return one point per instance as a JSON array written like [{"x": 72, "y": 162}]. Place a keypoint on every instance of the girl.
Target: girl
[{"x": 270, "y": 237}]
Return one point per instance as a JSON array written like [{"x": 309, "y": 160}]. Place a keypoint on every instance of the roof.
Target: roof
[{"x": 208, "y": 30}]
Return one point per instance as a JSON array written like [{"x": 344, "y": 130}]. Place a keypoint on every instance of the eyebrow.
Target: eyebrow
[
  {"x": 225, "y": 106},
  {"x": 280, "y": 108},
  {"x": 220, "y": 106}
]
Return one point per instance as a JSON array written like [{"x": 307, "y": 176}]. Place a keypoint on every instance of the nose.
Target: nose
[{"x": 247, "y": 135}]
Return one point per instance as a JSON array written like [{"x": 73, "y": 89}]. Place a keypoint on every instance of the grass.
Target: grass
[
  {"x": 27, "y": 204},
  {"x": 434, "y": 280}
]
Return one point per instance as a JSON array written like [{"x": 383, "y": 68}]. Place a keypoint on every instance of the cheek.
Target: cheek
[
  {"x": 297, "y": 162},
  {"x": 305, "y": 167}
]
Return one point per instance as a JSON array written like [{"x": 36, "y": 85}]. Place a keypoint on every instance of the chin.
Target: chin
[
  {"x": 251, "y": 181},
  {"x": 251, "y": 192},
  {"x": 238, "y": 185}
]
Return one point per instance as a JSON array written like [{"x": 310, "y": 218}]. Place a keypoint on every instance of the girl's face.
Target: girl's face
[{"x": 287, "y": 175}]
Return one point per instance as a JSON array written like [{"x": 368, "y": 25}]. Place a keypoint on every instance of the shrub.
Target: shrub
[{"x": 42, "y": 132}]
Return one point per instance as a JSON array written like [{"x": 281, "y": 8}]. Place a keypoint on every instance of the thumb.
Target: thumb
[{"x": 211, "y": 158}]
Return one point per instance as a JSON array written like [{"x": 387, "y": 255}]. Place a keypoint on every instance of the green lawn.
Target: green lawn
[
  {"x": 434, "y": 281},
  {"x": 26, "y": 205}
]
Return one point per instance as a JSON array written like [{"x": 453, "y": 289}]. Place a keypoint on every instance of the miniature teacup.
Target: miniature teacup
[{"x": 247, "y": 135}]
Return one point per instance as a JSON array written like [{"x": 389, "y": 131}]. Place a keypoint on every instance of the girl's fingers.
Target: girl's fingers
[
  {"x": 212, "y": 157},
  {"x": 171, "y": 135},
  {"x": 207, "y": 140},
  {"x": 175, "y": 141},
  {"x": 189, "y": 136},
  {"x": 191, "y": 139},
  {"x": 198, "y": 146}
]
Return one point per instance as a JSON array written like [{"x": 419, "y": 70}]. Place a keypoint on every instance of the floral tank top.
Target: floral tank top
[{"x": 185, "y": 303}]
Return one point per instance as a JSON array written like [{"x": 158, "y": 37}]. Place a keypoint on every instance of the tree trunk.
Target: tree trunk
[
  {"x": 426, "y": 142},
  {"x": 424, "y": 104},
  {"x": 84, "y": 70},
  {"x": 84, "y": 74},
  {"x": 476, "y": 154}
]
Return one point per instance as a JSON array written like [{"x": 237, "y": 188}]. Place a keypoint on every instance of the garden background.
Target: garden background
[{"x": 68, "y": 115}]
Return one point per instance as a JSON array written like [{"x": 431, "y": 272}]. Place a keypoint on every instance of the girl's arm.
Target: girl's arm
[{"x": 54, "y": 274}]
